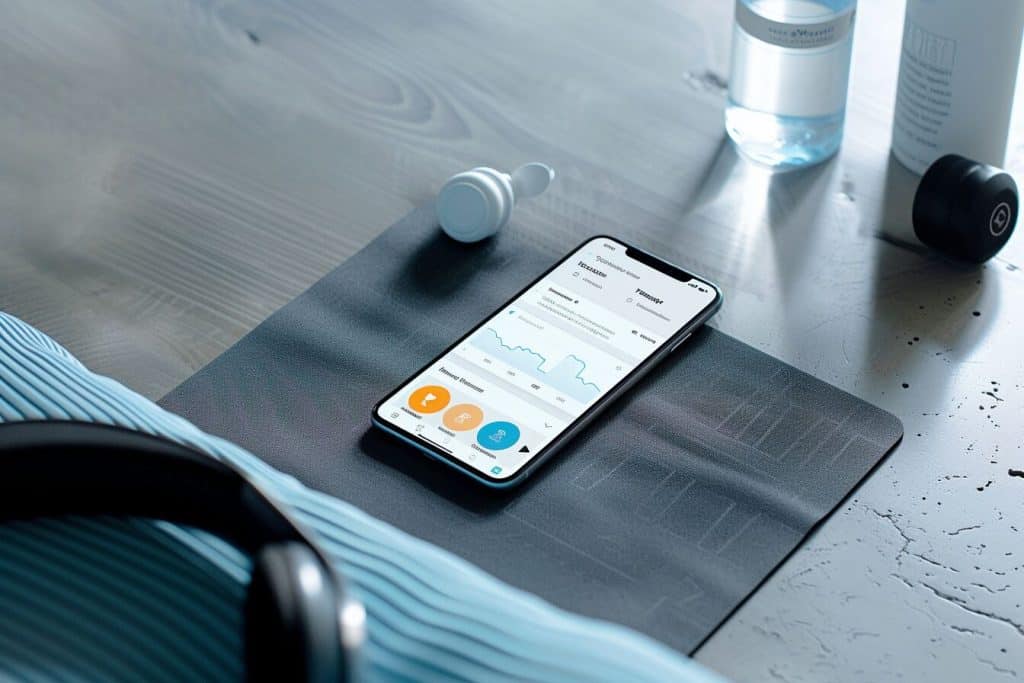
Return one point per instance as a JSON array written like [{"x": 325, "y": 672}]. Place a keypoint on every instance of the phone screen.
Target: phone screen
[{"x": 496, "y": 399}]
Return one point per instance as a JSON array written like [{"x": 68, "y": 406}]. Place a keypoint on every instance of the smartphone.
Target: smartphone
[{"x": 518, "y": 386}]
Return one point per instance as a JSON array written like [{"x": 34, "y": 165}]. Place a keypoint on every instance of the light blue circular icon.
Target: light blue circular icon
[{"x": 497, "y": 436}]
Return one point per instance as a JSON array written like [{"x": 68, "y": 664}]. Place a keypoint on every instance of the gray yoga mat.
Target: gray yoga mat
[{"x": 664, "y": 516}]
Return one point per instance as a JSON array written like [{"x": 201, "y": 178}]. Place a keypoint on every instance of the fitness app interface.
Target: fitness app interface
[{"x": 498, "y": 398}]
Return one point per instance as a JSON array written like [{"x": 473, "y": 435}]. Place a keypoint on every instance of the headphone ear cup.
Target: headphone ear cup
[{"x": 291, "y": 618}]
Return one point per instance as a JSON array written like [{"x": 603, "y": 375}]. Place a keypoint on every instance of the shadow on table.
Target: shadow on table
[
  {"x": 440, "y": 266},
  {"x": 925, "y": 306},
  {"x": 760, "y": 224},
  {"x": 439, "y": 478}
]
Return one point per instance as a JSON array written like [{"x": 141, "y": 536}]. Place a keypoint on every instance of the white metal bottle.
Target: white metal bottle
[{"x": 958, "y": 70}]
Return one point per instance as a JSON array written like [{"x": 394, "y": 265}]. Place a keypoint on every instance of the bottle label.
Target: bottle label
[
  {"x": 794, "y": 35},
  {"x": 924, "y": 98}
]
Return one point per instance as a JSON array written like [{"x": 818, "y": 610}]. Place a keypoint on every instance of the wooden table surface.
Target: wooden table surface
[{"x": 171, "y": 172}]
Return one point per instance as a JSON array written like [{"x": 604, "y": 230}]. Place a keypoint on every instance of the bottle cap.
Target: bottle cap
[{"x": 965, "y": 209}]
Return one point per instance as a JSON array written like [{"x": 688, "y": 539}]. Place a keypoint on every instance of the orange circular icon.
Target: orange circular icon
[
  {"x": 429, "y": 399},
  {"x": 463, "y": 416}
]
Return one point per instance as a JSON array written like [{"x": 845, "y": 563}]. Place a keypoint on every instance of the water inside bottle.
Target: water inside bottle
[{"x": 787, "y": 105}]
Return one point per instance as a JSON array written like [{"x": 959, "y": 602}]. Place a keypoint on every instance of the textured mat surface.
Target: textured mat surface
[{"x": 664, "y": 516}]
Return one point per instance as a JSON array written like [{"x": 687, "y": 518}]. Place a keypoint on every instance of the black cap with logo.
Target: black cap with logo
[{"x": 965, "y": 209}]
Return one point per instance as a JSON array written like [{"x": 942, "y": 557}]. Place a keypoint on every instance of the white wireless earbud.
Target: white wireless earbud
[{"x": 476, "y": 204}]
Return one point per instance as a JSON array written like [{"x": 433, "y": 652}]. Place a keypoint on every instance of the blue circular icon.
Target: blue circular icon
[{"x": 497, "y": 436}]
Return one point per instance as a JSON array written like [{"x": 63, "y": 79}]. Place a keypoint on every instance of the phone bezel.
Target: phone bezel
[{"x": 580, "y": 422}]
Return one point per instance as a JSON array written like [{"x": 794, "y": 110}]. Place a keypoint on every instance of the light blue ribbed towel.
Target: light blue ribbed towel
[{"x": 107, "y": 599}]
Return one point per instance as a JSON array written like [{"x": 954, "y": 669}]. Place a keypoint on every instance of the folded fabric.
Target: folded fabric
[{"x": 110, "y": 599}]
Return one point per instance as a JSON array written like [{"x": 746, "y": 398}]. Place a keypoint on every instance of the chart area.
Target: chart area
[{"x": 536, "y": 355}]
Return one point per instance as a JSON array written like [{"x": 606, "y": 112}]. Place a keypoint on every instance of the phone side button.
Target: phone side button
[{"x": 680, "y": 343}]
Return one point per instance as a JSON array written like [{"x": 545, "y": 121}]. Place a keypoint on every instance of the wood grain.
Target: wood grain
[{"x": 172, "y": 172}]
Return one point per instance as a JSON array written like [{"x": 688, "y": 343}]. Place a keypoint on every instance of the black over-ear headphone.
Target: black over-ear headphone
[{"x": 299, "y": 624}]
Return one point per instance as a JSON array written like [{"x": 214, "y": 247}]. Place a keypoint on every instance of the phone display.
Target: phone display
[{"x": 509, "y": 392}]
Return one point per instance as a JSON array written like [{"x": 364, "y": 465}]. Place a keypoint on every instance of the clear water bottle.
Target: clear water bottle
[{"x": 789, "y": 76}]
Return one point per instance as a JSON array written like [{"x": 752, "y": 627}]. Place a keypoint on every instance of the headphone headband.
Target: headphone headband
[{"x": 61, "y": 467}]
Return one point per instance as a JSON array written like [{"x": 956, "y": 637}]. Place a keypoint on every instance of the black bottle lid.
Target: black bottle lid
[{"x": 965, "y": 209}]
